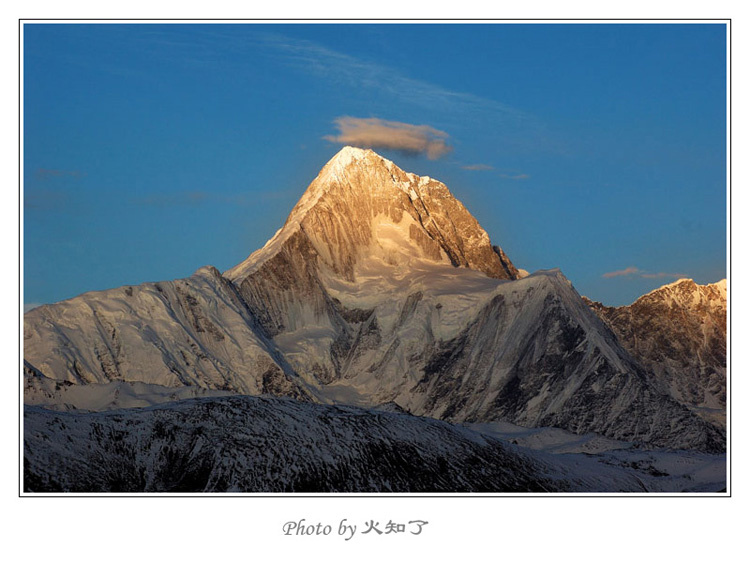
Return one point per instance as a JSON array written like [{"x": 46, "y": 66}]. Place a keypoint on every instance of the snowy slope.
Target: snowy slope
[
  {"x": 194, "y": 332},
  {"x": 259, "y": 444},
  {"x": 265, "y": 444}
]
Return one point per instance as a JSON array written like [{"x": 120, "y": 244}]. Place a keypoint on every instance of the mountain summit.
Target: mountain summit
[{"x": 362, "y": 207}]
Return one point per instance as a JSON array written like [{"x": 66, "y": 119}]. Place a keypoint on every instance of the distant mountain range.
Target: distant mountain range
[{"x": 380, "y": 289}]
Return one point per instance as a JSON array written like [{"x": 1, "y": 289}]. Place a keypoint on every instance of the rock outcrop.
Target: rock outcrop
[{"x": 679, "y": 333}]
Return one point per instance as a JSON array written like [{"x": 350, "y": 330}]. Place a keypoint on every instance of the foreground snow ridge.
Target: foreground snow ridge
[{"x": 268, "y": 444}]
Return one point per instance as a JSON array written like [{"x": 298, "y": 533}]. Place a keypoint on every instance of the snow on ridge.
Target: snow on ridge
[{"x": 209, "y": 270}]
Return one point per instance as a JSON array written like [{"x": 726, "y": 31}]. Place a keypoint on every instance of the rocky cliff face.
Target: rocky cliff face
[
  {"x": 380, "y": 287},
  {"x": 679, "y": 332}
]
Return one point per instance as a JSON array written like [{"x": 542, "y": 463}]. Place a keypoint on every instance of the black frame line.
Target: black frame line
[{"x": 447, "y": 496}]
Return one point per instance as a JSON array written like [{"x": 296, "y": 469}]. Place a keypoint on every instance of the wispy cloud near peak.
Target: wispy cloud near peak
[{"x": 374, "y": 133}]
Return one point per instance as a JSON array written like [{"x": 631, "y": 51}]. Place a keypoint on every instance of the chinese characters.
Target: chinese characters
[{"x": 347, "y": 529}]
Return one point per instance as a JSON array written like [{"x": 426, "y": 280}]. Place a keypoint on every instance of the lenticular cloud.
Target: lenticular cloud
[{"x": 374, "y": 133}]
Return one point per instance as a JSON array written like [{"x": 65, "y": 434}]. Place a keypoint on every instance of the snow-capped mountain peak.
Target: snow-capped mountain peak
[{"x": 360, "y": 199}]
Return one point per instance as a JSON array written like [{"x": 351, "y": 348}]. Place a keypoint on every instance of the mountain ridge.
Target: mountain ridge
[
  {"x": 379, "y": 288},
  {"x": 678, "y": 332}
]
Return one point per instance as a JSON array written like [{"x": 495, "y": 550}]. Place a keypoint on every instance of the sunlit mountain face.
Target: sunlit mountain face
[{"x": 381, "y": 292}]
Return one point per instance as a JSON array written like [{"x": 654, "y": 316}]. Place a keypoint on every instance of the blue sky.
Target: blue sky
[{"x": 151, "y": 150}]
